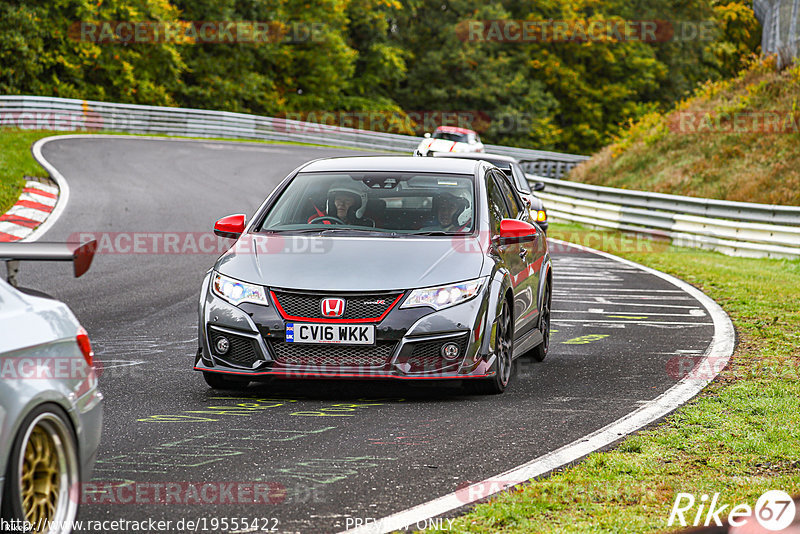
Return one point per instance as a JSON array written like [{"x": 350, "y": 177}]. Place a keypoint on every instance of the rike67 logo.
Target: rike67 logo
[{"x": 774, "y": 511}]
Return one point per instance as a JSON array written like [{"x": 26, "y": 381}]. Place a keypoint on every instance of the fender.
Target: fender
[{"x": 499, "y": 284}]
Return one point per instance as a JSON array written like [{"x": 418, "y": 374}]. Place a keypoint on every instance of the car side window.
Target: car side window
[
  {"x": 497, "y": 206},
  {"x": 509, "y": 195}
]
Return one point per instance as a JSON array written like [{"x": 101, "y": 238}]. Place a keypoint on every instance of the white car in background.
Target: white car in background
[{"x": 449, "y": 139}]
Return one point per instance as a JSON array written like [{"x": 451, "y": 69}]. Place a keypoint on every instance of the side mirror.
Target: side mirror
[
  {"x": 516, "y": 231},
  {"x": 427, "y": 135},
  {"x": 538, "y": 186},
  {"x": 231, "y": 226}
]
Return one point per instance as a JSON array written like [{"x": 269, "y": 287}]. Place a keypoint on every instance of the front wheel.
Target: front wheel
[
  {"x": 43, "y": 470},
  {"x": 503, "y": 351}
]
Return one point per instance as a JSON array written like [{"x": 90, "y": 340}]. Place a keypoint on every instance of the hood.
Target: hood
[{"x": 339, "y": 263}]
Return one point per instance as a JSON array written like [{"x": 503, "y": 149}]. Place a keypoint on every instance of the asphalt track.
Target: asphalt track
[{"x": 329, "y": 451}]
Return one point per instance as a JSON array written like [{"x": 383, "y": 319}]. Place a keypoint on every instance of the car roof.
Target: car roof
[
  {"x": 391, "y": 163},
  {"x": 491, "y": 158},
  {"x": 455, "y": 129}
]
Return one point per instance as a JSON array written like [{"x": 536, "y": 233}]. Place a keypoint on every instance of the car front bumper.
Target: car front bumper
[{"x": 407, "y": 344}]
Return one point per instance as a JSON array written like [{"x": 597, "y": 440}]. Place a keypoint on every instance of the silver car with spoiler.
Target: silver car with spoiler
[{"x": 50, "y": 408}]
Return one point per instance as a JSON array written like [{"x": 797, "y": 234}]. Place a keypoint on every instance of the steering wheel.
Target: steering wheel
[{"x": 330, "y": 218}]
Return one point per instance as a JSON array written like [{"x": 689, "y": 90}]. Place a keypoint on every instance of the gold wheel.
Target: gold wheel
[
  {"x": 41, "y": 479},
  {"x": 46, "y": 472}
]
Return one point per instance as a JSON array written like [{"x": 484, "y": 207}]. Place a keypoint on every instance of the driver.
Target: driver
[{"x": 346, "y": 203}]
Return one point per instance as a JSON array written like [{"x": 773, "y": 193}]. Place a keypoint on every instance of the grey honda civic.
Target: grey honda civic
[{"x": 379, "y": 267}]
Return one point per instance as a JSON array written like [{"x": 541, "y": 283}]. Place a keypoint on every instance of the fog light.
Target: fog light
[
  {"x": 450, "y": 351},
  {"x": 222, "y": 345}
]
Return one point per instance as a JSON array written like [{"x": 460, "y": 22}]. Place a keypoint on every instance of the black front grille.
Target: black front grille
[
  {"x": 426, "y": 356},
  {"x": 309, "y": 306},
  {"x": 242, "y": 351},
  {"x": 336, "y": 356}
]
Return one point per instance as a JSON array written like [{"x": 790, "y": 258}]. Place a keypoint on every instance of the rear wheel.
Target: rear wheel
[
  {"x": 43, "y": 469},
  {"x": 503, "y": 350},
  {"x": 220, "y": 381},
  {"x": 539, "y": 353}
]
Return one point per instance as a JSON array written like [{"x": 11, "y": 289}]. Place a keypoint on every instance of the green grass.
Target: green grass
[
  {"x": 739, "y": 437},
  {"x": 16, "y": 160},
  {"x": 664, "y": 153}
]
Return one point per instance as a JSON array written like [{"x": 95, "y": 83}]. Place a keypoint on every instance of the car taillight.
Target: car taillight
[
  {"x": 541, "y": 216},
  {"x": 85, "y": 345}
]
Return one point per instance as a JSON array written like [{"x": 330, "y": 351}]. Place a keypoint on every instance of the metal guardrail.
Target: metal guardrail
[
  {"x": 731, "y": 227},
  {"x": 50, "y": 113},
  {"x": 780, "y": 21},
  {"x": 734, "y": 228}
]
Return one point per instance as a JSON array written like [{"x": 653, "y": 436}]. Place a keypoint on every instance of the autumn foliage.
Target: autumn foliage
[{"x": 388, "y": 56}]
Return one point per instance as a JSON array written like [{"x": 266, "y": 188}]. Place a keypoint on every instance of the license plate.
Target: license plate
[{"x": 344, "y": 334}]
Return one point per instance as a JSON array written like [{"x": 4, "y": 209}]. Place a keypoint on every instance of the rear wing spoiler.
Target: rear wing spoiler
[{"x": 80, "y": 254}]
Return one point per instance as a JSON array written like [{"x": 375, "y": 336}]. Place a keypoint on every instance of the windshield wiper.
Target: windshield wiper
[
  {"x": 351, "y": 230},
  {"x": 437, "y": 232}
]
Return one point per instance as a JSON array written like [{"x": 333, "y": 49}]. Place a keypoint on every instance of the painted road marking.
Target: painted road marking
[
  {"x": 576, "y": 321},
  {"x": 199, "y": 450},
  {"x": 629, "y": 304},
  {"x": 622, "y": 289},
  {"x": 110, "y": 364},
  {"x": 241, "y": 409},
  {"x": 584, "y": 340},
  {"x": 649, "y": 314},
  {"x": 720, "y": 350}
]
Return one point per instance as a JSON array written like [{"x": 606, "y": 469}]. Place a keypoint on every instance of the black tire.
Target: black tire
[
  {"x": 539, "y": 353},
  {"x": 43, "y": 470},
  {"x": 220, "y": 381},
  {"x": 504, "y": 364}
]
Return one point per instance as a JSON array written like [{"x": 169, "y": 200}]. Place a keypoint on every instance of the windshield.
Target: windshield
[
  {"x": 374, "y": 203},
  {"x": 457, "y": 137}
]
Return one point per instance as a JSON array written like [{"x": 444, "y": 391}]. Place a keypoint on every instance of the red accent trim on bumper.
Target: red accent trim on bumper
[
  {"x": 288, "y": 317},
  {"x": 300, "y": 374}
]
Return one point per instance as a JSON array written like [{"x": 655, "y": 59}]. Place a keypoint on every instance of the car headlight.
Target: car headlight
[
  {"x": 236, "y": 292},
  {"x": 541, "y": 216},
  {"x": 442, "y": 297}
]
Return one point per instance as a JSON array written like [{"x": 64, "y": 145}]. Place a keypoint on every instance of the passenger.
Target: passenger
[{"x": 447, "y": 208}]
